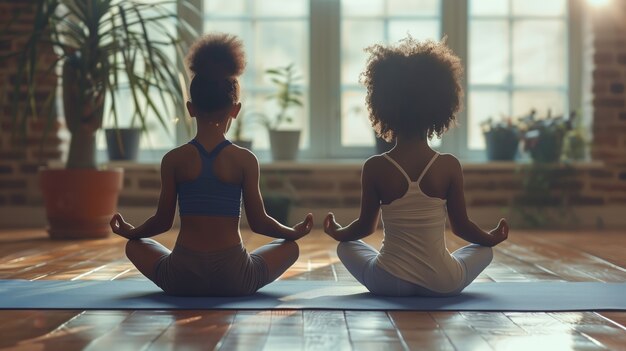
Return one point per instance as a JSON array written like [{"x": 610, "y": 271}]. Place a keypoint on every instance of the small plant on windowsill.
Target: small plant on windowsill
[
  {"x": 543, "y": 137},
  {"x": 501, "y": 138},
  {"x": 284, "y": 143}
]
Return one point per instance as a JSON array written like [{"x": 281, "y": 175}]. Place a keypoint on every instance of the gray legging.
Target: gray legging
[{"x": 360, "y": 260}]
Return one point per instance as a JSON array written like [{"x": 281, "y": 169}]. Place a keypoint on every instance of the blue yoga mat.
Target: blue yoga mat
[{"x": 301, "y": 294}]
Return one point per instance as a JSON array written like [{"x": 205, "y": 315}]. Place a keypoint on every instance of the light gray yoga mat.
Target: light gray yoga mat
[{"x": 301, "y": 294}]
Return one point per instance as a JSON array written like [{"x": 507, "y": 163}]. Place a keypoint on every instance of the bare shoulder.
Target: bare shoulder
[
  {"x": 449, "y": 160},
  {"x": 375, "y": 165},
  {"x": 374, "y": 162},
  {"x": 178, "y": 155},
  {"x": 242, "y": 156},
  {"x": 450, "y": 163}
]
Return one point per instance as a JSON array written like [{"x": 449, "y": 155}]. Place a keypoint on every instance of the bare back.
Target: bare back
[
  {"x": 209, "y": 233},
  {"x": 391, "y": 184}
]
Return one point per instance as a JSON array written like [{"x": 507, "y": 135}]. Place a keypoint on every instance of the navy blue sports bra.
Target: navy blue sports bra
[{"x": 207, "y": 195}]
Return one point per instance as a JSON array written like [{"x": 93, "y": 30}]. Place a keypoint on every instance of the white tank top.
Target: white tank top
[{"x": 414, "y": 247}]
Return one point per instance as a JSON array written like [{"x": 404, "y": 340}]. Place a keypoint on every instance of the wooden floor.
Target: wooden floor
[{"x": 530, "y": 256}]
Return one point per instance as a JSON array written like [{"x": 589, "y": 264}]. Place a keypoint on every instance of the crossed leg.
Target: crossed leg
[
  {"x": 144, "y": 254},
  {"x": 475, "y": 258},
  {"x": 278, "y": 255}
]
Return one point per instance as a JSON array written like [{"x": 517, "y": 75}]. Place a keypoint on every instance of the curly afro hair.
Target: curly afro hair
[
  {"x": 413, "y": 88},
  {"x": 215, "y": 61}
]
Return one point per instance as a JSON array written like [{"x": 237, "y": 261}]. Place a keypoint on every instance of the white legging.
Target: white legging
[{"x": 360, "y": 260}]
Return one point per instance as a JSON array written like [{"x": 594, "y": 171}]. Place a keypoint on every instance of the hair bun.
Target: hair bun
[{"x": 216, "y": 56}]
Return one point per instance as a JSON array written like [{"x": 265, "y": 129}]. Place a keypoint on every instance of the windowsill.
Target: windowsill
[{"x": 352, "y": 164}]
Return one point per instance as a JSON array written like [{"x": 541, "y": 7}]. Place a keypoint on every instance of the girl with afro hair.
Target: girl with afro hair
[
  {"x": 413, "y": 93},
  {"x": 209, "y": 176}
]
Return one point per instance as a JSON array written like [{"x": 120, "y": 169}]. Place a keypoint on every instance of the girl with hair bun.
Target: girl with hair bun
[{"x": 209, "y": 176}]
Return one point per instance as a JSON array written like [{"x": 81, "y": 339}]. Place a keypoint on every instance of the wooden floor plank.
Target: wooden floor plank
[
  {"x": 325, "y": 330},
  {"x": 460, "y": 332},
  {"x": 137, "y": 332},
  {"x": 77, "y": 333},
  {"x": 32, "y": 326},
  {"x": 194, "y": 330}
]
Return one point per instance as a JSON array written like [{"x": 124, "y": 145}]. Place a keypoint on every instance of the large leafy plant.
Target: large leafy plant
[{"x": 104, "y": 48}]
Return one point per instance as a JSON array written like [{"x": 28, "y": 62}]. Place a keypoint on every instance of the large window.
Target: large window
[{"x": 516, "y": 54}]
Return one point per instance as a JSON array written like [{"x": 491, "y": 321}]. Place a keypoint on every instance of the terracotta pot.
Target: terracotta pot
[{"x": 80, "y": 202}]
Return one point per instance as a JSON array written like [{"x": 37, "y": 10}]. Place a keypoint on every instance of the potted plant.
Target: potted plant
[
  {"x": 103, "y": 47},
  {"x": 122, "y": 143},
  {"x": 543, "y": 137},
  {"x": 501, "y": 139},
  {"x": 284, "y": 143}
]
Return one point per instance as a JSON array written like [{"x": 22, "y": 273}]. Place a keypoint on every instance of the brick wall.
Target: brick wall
[
  {"x": 490, "y": 188},
  {"x": 609, "y": 77},
  {"x": 22, "y": 154}
]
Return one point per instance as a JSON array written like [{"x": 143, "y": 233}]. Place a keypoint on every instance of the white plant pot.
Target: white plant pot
[{"x": 284, "y": 144}]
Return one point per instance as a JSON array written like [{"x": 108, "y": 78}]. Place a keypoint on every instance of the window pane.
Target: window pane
[
  {"x": 217, "y": 8},
  {"x": 275, "y": 49},
  {"x": 489, "y": 52},
  {"x": 541, "y": 101},
  {"x": 355, "y": 36},
  {"x": 241, "y": 29},
  {"x": 355, "y": 125},
  {"x": 489, "y": 7},
  {"x": 280, "y": 8},
  {"x": 539, "y": 53},
  {"x": 419, "y": 30},
  {"x": 482, "y": 106},
  {"x": 414, "y": 7},
  {"x": 350, "y": 8},
  {"x": 539, "y": 7}
]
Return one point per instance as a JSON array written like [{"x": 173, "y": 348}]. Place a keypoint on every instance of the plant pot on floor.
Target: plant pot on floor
[
  {"x": 123, "y": 143},
  {"x": 501, "y": 144},
  {"x": 80, "y": 202},
  {"x": 284, "y": 144}
]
